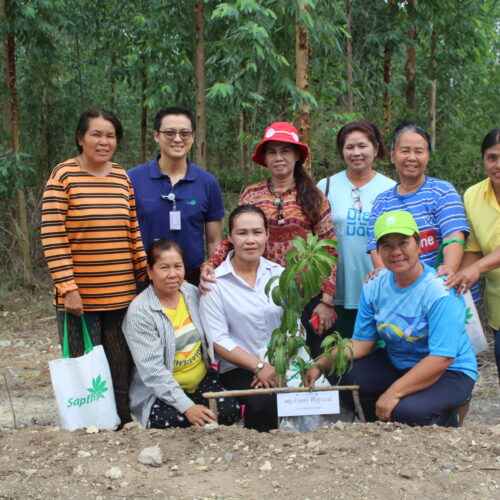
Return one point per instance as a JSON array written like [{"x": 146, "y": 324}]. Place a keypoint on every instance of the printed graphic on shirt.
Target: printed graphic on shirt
[
  {"x": 357, "y": 223},
  {"x": 189, "y": 368},
  {"x": 428, "y": 241},
  {"x": 397, "y": 328},
  {"x": 188, "y": 345}
]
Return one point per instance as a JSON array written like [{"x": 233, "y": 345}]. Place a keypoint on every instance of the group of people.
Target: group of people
[{"x": 202, "y": 324}]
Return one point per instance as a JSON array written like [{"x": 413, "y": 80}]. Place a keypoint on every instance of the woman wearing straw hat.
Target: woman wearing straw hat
[
  {"x": 294, "y": 206},
  {"x": 428, "y": 368}
]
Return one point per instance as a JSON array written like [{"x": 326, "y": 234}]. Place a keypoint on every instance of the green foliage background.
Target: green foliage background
[{"x": 73, "y": 55}]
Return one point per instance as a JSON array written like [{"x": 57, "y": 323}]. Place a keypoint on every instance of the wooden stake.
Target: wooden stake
[
  {"x": 10, "y": 401},
  {"x": 212, "y": 396},
  {"x": 212, "y": 404},
  {"x": 276, "y": 390},
  {"x": 357, "y": 405}
]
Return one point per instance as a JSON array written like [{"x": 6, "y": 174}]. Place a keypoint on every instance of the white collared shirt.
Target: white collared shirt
[{"x": 236, "y": 315}]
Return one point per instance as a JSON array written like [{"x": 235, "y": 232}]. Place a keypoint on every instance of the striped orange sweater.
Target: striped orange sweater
[{"x": 90, "y": 236}]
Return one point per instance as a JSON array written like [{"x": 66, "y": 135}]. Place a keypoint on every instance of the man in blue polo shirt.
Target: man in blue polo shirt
[{"x": 176, "y": 199}]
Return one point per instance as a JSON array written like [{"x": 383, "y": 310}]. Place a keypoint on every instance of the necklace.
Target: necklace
[{"x": 278, "y": 200}]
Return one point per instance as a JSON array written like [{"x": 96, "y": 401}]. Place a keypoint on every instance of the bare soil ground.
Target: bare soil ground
[{"x": 39, "y": 460}]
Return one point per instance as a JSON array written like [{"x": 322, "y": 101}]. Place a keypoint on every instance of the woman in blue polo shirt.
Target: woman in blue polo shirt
[{"x": 428, "y": 368}]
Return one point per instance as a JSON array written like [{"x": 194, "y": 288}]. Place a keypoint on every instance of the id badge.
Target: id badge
[{"x": 175, "y": 220}]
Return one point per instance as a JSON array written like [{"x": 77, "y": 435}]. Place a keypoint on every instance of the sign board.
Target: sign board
[{"x": 292, "y": 404}]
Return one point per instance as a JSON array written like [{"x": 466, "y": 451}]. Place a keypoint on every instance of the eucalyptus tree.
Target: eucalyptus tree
[
  {"x": 268, "y": 66},
  {"x": 244, "y": 64},
  {"x": 199, "y": 64},
  {"x": 467, "y": 77},
  {"x": 136, "y": 57},
  {"x": 26, "y": 26}
]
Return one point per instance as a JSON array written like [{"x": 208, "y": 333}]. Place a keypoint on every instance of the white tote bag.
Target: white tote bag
[
  {"x": 473, "y": 326},
  {"x": 83, "y": 386}
]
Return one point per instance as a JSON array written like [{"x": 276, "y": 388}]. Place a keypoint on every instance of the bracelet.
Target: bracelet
[
  {"x": 205, "y": 264},
  {"x": 321, "y": 301},
  {"x": 439, "y": 256}
]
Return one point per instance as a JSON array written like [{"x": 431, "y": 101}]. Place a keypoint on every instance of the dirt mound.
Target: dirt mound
[
  {"x": 344, "y": 461},
  {"x": 39, "y": 460}
]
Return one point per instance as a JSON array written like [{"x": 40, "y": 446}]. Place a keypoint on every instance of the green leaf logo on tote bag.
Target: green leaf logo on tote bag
[
  {"x": 96, "y": 392},
  {"x": 78, "y": 404}
]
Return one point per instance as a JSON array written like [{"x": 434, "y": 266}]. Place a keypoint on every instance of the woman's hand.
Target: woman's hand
[
  {"x": 207, "y": 276},
  {"x": 373, "y": 273},
  {"x": 386, "y": 404},
  {"x": 445, "y": 270},
  {"x": 313, "y": 373},
  {"x": 265, "y": 378},
  {"x": 199, "y": 415},
  {"x": 326, "y": 316},
  {"x": 463, "y": 279},
  {"x": 73, "y": 303}
]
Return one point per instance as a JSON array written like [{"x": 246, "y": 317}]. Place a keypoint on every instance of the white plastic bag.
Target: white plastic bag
[
  {"x": 83, "y": 387},
  {"x": 473, "y": 326},
  {"x": 303, "y": 423},
  {"x": 292, "y": 374}
]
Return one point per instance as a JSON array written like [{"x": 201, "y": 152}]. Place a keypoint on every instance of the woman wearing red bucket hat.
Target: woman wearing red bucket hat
[
  {"x": 279, "y": 132},
  {"x": 294, "y": 206}
]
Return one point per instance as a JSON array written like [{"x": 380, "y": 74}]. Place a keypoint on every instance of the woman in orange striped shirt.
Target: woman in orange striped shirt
[{"x": 93, "y": 247}]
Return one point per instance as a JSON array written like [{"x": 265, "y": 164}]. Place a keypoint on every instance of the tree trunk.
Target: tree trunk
[
  {"x": 350, "y": 96},
  {"x": 433, "y": 89},
  {"x": 411, "y": 59},
  {"x": 10, "y": 73},
  {"x": 144, "y": 117},
  {"x": 6, "y": 98},
  {"x": 387, "y": 85},
  {"x": 302, "y": 82},
  {"x": 79, "y": 67},
  {"x": 199, "y": 56},
  {"x": 244, "y": 154},
  {"x": 112, "y": 82},
  {"x": 242, "y": 148}
]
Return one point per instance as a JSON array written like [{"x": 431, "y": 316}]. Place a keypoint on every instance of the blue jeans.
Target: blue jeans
[{"x": 435, "y": 405}]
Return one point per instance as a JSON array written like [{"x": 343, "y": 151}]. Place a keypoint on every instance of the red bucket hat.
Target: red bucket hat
[{"x": 282, "y": 132}]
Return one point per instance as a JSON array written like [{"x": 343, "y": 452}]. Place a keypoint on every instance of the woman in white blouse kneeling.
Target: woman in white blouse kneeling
[
  {"x": 239, "y": 318},
  {"x": 170, "y": 350}
]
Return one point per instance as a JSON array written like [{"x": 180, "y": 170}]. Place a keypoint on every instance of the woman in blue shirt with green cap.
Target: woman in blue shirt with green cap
[{"x": 428, "y": 368}]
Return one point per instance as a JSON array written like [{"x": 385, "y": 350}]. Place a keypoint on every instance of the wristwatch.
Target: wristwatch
[{"x": 259, "y": 367}]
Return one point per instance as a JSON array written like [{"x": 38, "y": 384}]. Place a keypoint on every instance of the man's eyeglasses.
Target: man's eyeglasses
[
  {"x": 356, "y": 195},
  {"x": 171, "y": 133}
]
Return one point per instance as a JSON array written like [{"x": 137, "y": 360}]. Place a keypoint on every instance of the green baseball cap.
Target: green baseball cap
[{"x": 395, "y": 221}]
